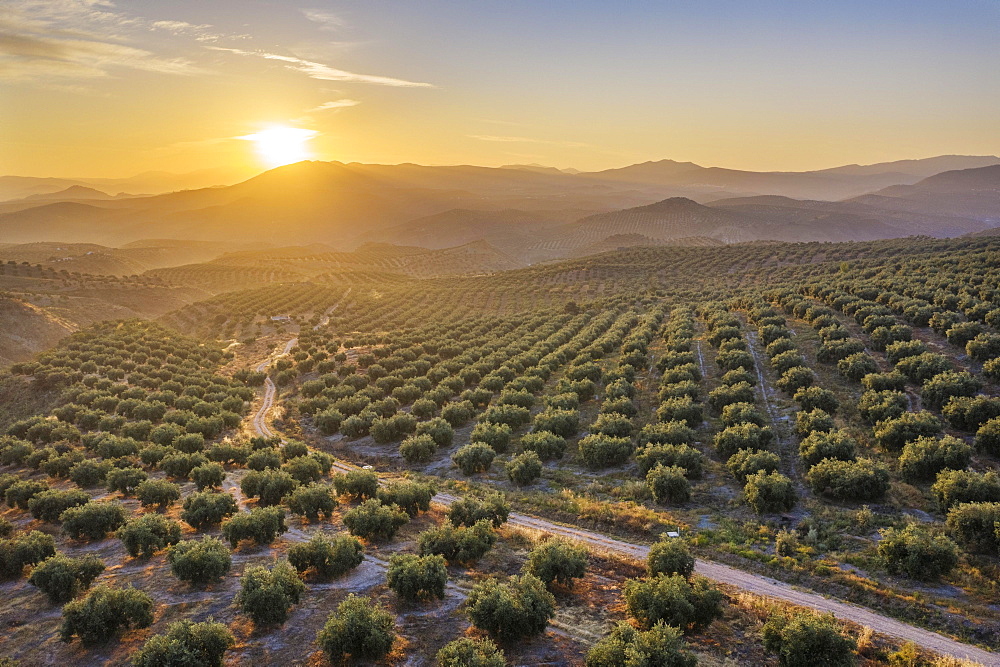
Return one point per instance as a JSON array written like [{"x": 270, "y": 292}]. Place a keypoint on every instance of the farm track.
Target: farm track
[{"x": 723, "y": 574}]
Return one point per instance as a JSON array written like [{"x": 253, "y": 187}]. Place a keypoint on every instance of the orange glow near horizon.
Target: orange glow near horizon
[{"x": 280, "y": 145}]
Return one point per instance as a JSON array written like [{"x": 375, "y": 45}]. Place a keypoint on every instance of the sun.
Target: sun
[{"x": 281, "y": 145}]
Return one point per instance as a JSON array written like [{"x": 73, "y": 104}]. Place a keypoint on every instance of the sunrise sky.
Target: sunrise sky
[{"x": 94, "y": 88}]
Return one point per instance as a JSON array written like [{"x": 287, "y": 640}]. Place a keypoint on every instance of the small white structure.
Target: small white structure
[
  {"x": 281, "y": 318},
  {"x": 673, "y": 533}
]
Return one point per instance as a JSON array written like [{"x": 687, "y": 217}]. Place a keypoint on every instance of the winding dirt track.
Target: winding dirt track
[{"x": 724, "y": 574}]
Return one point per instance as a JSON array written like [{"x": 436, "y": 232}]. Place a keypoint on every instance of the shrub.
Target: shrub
[
  {"x": 724, "y": 395},
  {"x": 601, "y": 451},
  {"x": 459, "y": 413},
  {"x": 463, "y": 544},
  {"x": 918, "y": 554},
  {"x": 965, "y": 486},
  {"x": 690, "y": 606},
  {"x": 816, "y": 398},
  {"x": 896, "y": 352},
  {"x": 856, "y": 366},
  {"x": 613, "y": 425},
  {"x": 179, "y": 466},
  {"x": 821, "y": 445},
  {"x": 411, "y": 497},
  {"x": 969, "y": 413},
  {"x": 303, "y": 469},
  {"x": 812, "y": 421},
  {"x": 207, "y": 508},
  {"x": 439, "y": 429},
  {"x": 923, "y": 367},
  {"x": 973, "y": 525},
  {"x": 49, "y": 505},
  {"x": 988, "y": 437},
  {"x": 661, "y": 645},
  {"x": 358, "y": 484},
  {"x": 795, "y": 379},
  {"x": 668, "y": 484},
  {"x": 311, "y": 501},
  {"x": 390, "y": 429},
  {"x": 208, "y": 475},
  {"x": 104, "y": 612},
  {"x": 147, "y": 534},
  {"x": 545, "y": 444},
  {"x": 562, "y": 422},
  {"x": 371, "y": 520},
  {"x": 892, "y": 434},
  {"x": 497, "y": 436},
  {"x": 157, "y": 492},
  {"x": 877, "y": 406},
  {"x": 800, "y": 639},
  {"x": 186, "y": 643},
  {"x": 417, "y": 577},
  {"x": 468, "y": 511},
  {"x": 266, "y": 596},
  {"x": 199, "y": 562},
  {"x": 769, "y": 492},
  {"x": 557, "y": 561},
  {"x": 731, "y": 439},
  {"x": 94, "y": 520},
  {"x": 746, "y": 462},
  {"x": 61, "y": 578},
  {"x": 670, "y": 556},
  {"x": 466, "y": 652},
  {"x": 358, "y": 629},
  {"x": 418, "y": 448},
  {"x": 524, "y": 468},
  {"x": 260, "y": 525},
  {"x": 262, "y": 459},
  {"x": 925, "y": 457},
  {"x": 859, "y": 480},
  {"x": 685, "y": 409},
  {"x": 983, "y": 347},
  {"x": 20, "y": 493},
  {"x": 89, "y": 472},
  {"x": 685, "y": 456},
  {"x": 24, "y": 549},
  {"x": 738, "y": 413},
  {"x": 327, "y": 557},
  {"x": 510, "y": 610},
  {"x": 942, "y": 387},
  {"x": 667, "y": 433},
  {"x": 268, "y": 486}
]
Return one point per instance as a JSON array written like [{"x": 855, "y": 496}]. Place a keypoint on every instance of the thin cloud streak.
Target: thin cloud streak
[
  {"x": 527, "y": 140},
  {"x": 334, "y": 105},
  {"x": 325, "y": 72}
]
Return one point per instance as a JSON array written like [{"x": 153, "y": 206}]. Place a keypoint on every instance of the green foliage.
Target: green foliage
[
  {"x": 359, "y": 629},
  {"x": 327, "y": 557},
  {"x": 661, "y": 645},
  {"x": 939, "y": 389},
  {"x": 884, "y": 405},
  {"x": 207, "y": 508},
  {"x": 769, "y": 492},
  {"x": 690, "y": 606},
  {"x": 358, "y": 484},
  {"x": 685, "y": 456},
  {"x": 94, "y": 520},
  {"x": 268, "y": 486},
  {"x": 411, "y": 497},
  {"x": 668, "y": 484},
  {"x": 371, "y": 520},
  {"x": 199, "y": 562},
  {"x": 157, "y": 492},
  {"x": 49, "y": 505},
  {"x": 439, "y": 429},
  {"x": 260, "y": 525},
  {"x": 147, "y": 534},
  {"x": 965, "y": 486},
  {"x": 312, "y": 501},
  {"x": 746, "y": 462},
  {"x": 925, "y": 457},
  {"x": 670, "y": 556},
  {"x": 186, "y": 644},
  {"x": 415, "y": 578},
  {"x": 24, "y": 549},
  {"x": 466, "y": 652},
  {"x": 104, "y": 612},
  {"x": 602, "y": 451},
  {"x": 61, "y": 578},
  {"x": 266, "y": 596},
  {"x": 892, "y": 434},
  {"x": 859, "y": 480},
  {"x": 562, "y": 422},
  {"x": 474, "y": 458},
  {"x": 510, "y": 610},
  {"x": 557, "y": 561},
  {"x": 808, "y": 640},
  {"x": 731, "y": 439},
  {"x": 988, "y": 437},
  {"x": 545, "y": 444},
  {"x": 524, "y": 468},
  {"x": 208, "y": 475},
  {"x": 20, "y": 493},
  {"x": 462, "y": 544},
  {"x": 497, "y": 436},
  {"x": 418, "y": 448},
  {"x": 973, "y": 525},
  {"x": 468, "y": 511},
  {"x": 837, "y": 444},
  {"x": 917, "y": 553},
  {"x": 689, "y": 411}
]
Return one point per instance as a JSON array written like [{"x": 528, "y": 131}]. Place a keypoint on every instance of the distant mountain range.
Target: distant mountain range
[{"x": 528, "y": 212}]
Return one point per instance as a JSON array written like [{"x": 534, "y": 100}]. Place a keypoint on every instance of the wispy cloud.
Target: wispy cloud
[
  {"x": 335, "y": 104},
  {"x": 64, "y": 39},
  {"x": 325, "y": 19},
  {"x": 527, "y": 140},
  {"x": 325, "y": 72}
]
